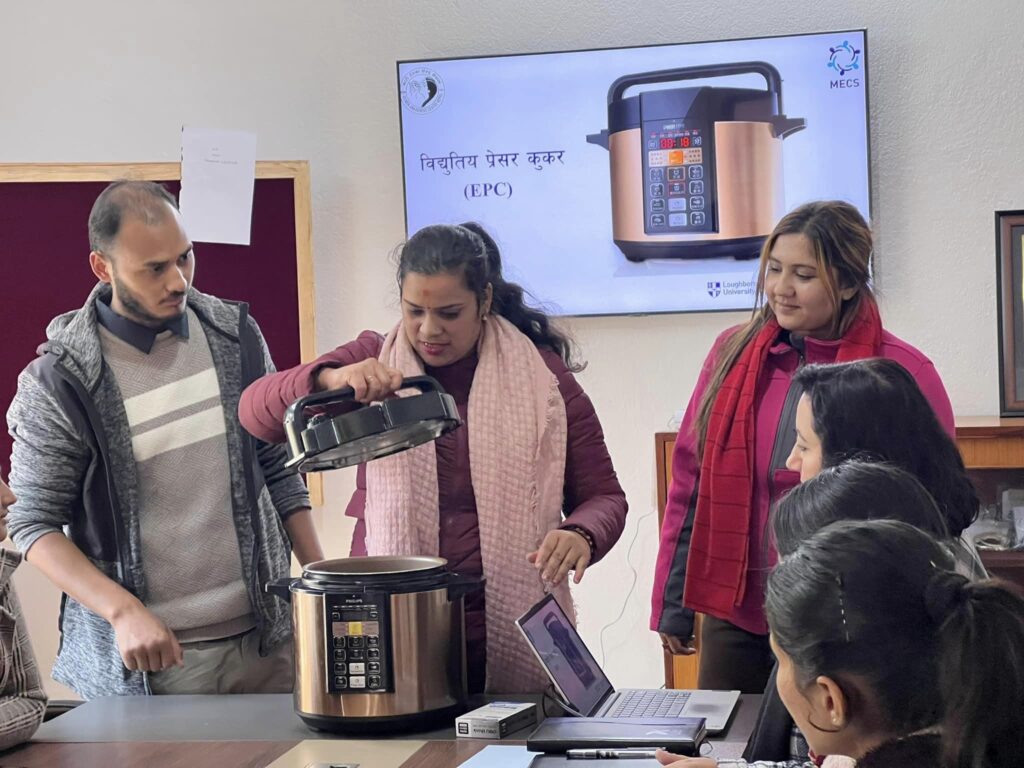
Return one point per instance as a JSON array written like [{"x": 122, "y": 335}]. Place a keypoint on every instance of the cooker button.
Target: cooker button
[
  {"x": 658, "y": 220},
  {"x": 697, "y": 218},
  {"x": 340, "y": 682},
  {"x": 657, "y": 174},
  {"x": 373, "y": 640},
  {"x": 677, "y": 203},
  {"x": 657, "y": 206},
  {"x": 697, "y": 187},
  {"x": 357, "y": 669},
  {"x": 339, "y": 654},
  {"x": 675, "y": 174},
  {"x": 373, "y": 666},
  {"x": 357, "y": 682},
  {"x": 374, "y": 681},
  {"x": 657, "y": 190},
  {"x": 696, "y": 141},
  {"x": 357, "y": 654},
  {"x": 339, "y": 642},
  {"x": 335, "y": 616},
  {"x": 675, "y": 157},
  {"x": 696, "y": 171},
  {"x": 677, "y": 219},
  {"x": 697, "y": 203},
  {"x": 340, "y": 668},
  {"x": 373, "y": 653},
  {"x": 355, "y": 642},
  {"x": 656, "y": 158}
]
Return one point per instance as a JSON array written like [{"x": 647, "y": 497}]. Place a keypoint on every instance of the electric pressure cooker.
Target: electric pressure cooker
[
  {"x": 379, "y": 643},
  {"x": 696, "y": 171}
]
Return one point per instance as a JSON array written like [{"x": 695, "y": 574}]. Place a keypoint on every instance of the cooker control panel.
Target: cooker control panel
[
  {"x": 677, "y": 177},
  {"x": 357, "y": 644}
]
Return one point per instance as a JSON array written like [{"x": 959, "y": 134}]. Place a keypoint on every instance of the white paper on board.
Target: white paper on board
[{"x": 218, "y": 170}]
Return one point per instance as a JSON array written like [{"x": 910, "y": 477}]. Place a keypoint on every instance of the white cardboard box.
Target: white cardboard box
[{"x": 495, "y": 720}]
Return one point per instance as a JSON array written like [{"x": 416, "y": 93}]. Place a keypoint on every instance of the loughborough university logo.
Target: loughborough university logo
[
  {"x": 714, "y": 289},
  {"x": 422, "y": 90}
]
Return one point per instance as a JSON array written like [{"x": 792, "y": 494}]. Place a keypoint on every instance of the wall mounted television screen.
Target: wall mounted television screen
[{"x": 637, "y": 180}]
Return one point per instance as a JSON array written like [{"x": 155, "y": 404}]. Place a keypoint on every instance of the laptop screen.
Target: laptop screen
[{"x": 575, "y": 673}]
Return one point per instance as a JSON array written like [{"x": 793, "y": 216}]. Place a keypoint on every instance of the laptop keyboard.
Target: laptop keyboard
[{"x": 640, "y": 703}]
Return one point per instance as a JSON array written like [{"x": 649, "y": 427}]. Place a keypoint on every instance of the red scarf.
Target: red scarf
[{"x": 716, "y": 572}]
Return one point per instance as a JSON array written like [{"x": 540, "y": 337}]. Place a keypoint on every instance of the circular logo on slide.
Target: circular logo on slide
[
  {"x": 844, "y": 58},
  {"x": 422, "y": 90}
]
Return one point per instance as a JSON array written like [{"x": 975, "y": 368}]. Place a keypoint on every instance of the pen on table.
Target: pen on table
[{"x": 610, "y": 754}]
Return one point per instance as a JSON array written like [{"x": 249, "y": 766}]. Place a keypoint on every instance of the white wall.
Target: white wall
[{"x": 114, "y": 81}]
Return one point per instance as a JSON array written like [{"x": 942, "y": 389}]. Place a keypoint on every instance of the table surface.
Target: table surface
[{"x": 257, "y": 730}]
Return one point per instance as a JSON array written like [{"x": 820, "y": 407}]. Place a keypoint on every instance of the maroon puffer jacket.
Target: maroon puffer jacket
[{"x": 594, "y": 499}]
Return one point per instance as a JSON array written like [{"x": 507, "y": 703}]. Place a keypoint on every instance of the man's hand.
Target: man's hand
[{"x": 145, "y": 642}]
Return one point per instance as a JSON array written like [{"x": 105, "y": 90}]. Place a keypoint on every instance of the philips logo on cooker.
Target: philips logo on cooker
[{"x": 844, "y": 59}]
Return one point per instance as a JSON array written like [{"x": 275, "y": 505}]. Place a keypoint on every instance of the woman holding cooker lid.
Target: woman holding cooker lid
[
  {"x": 489, "y": 497},
  {"x": 730, "y": 456}
]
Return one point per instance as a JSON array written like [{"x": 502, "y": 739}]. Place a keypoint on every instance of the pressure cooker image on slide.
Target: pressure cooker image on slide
[
  {"x": 380, "y": 642},
  {"x": 696, "y": 172}
]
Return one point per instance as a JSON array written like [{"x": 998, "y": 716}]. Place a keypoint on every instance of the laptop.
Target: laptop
[{"x": 583, "y": 685}]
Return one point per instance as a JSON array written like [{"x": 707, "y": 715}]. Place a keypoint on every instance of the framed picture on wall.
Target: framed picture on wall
[{"x": 1010, "y": 289}]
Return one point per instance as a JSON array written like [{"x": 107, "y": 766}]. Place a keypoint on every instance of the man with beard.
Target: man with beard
[{"x": 139, "y": 494}]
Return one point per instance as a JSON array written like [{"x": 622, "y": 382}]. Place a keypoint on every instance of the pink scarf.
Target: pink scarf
[{"x": 517, "y": 442}]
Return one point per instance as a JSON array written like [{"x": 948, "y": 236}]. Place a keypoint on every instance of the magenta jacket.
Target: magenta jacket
[
  {"x": 594, "y": 500},
  {"x": 775, "y": 434}
]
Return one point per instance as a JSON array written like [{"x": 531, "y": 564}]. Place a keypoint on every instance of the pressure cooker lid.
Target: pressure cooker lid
[
  {"x": 320, "y": 441},
  {"x": 409, "y": 572}
]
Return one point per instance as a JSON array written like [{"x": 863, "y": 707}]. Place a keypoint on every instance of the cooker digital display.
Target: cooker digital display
[{"x": 677, "y": 178}]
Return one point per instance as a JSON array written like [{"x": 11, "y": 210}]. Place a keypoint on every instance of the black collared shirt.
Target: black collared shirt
[{"x": 138, "y": 335}]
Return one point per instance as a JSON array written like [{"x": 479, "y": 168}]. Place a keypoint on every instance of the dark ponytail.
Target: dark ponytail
[
  {"x": 981, "y": 671},
  {"x": 469, "y": 249},
  {"x": 875, "y": 606}
]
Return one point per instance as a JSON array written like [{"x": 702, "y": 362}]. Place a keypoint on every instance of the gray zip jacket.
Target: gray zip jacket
[{"x": 73, "y": 471}]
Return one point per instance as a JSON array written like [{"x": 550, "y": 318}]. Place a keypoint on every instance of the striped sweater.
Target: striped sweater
[{"x": 190, "y": 553}]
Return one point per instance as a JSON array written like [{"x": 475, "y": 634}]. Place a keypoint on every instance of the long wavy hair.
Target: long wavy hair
[{"x": 842, "y": 244}]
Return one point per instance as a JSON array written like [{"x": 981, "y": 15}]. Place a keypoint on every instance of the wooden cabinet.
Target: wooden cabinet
[
  {"x": 993, "y": 451},
  {"x": 680, "y": 671}
]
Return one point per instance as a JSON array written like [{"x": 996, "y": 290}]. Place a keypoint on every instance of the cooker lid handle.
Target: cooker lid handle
[
  {"x": 423, "y": 383},
  {"x": 763, "y": 68}
]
